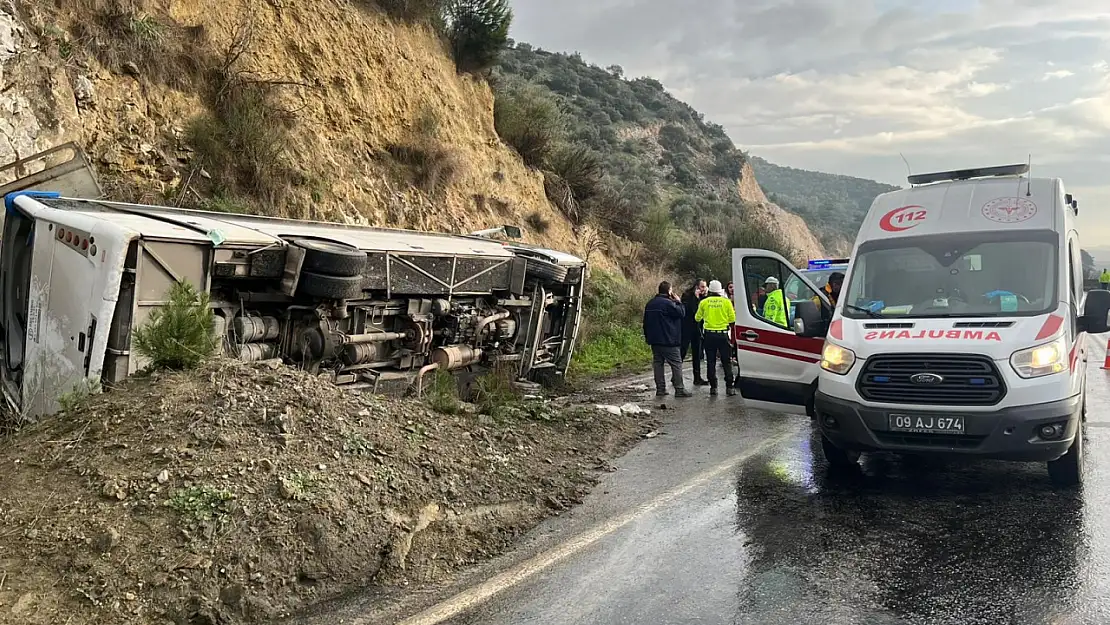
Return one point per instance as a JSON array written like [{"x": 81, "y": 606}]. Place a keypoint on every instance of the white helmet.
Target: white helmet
[
  {"x": 715, "y": 287},
  {"x": 771, "y": 280}
]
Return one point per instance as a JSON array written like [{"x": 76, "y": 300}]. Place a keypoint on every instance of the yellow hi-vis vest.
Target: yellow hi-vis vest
[{"x": 774, "y": 309}]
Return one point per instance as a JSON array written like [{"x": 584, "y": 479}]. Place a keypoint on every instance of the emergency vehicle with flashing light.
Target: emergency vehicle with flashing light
[{"x": 960, "y": 329}]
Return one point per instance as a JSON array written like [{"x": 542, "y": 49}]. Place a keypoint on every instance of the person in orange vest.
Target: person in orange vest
[{"x": 831, "y": 289}]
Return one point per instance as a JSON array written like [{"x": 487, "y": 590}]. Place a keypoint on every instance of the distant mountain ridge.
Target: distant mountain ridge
[{"x": 834, "y": 205}]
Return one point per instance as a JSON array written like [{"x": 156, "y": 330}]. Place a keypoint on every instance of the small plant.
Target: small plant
[
  {"x": 537, "y": 222},
  {"x": 477, "y": 30},
  {"x": 357, "y": 445},
  {"x": 581, "y": 167},
  {"x": 443, "y": 394},
  {"x": 179, "y": 334},
  {"x": 427, "y": 122},
  {"x": 201, "y": 503},
  {"x": 432, "y": 166},
  {"x": 244, "y": 141},
  {"x": 72, "y": 399},
  {"x": 297, "y": 486},
  {"x": 494, "y": 393},
  {"x": 527, "y": 118}
]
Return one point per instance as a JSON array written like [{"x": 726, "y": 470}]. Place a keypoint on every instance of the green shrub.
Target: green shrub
[
  {"x": 442, "y": 394},
  {"x": 697, "y": 259},
  {"x": 528, "y": 119},
  {"x": 494, "y": 392},
  {"x": 581, "y": 168},
  {"x": 477, "y": 30},
  {"x": 748, "y": 234},
  {"x": 179, "y": 334}
]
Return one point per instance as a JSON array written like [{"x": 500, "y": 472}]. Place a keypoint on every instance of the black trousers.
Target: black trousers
[
  {"x": 691, "y": 338},
  {"x": 717, "y": 347}
]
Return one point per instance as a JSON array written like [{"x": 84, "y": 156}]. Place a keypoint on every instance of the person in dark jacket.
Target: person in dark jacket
[
  {"x": 663, "y": 331},
  {"x": 691, "y": 328}
]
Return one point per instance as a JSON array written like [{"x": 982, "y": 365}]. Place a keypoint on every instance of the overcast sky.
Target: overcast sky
[{"x": 843, "y": 86}]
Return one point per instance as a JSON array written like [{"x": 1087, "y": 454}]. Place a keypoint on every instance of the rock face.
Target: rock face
[
  {"x": 356, "y": 84},
  {"x": 788, "y": 225}
]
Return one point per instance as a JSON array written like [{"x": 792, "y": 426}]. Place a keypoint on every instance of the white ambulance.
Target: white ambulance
[{"x": 959, "y": 329}]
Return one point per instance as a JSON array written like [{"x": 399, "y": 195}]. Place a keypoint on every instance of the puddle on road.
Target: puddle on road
[{"x": 916, "y": 541}]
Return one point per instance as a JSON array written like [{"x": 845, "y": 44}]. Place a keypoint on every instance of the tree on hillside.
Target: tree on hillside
[{"x": 478, "y": 30}]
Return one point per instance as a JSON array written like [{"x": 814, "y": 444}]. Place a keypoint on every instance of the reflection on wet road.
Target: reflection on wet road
[{"x": 777, "y": 540}]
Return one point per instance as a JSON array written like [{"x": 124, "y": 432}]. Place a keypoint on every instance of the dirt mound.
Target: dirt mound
[{"x": 241, "y": 493}]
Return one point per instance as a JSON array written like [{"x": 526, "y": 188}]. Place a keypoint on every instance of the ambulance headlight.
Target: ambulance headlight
[
  {"x": 1041, "y": 360},
  {"x": 837, "y": 359}
]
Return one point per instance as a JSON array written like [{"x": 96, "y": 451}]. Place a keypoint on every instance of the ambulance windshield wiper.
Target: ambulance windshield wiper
[{"x": 866, "y": 311}]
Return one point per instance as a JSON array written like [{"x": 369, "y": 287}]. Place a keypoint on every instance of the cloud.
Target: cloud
[{"x": 846, "y": 85}]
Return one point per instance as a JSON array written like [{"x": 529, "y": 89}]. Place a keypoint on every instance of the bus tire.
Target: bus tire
[
  {"x": 545, "y": 271},
  {"x": 329, "y": 287},
  {"x": 331, "y": 258}
]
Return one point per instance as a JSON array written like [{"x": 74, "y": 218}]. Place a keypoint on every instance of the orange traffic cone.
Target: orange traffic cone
[{"x": 1106, "y": 362}]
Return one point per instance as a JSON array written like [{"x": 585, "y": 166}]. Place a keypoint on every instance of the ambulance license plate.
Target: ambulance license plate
[{"x": 926, "y": 424}]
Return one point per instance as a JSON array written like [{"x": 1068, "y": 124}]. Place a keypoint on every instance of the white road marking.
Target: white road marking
[{"x": 482, "y": 592}]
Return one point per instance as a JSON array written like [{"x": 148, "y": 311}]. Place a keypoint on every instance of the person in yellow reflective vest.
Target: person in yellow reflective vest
[
  {"x": 774, "y": 309},
  {"x": 1104, "y": 279},
  {"x": 717, "y": 315}
]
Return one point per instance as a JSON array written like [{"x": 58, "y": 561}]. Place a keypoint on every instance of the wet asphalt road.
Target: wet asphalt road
[{"x": 731, "y": 518}]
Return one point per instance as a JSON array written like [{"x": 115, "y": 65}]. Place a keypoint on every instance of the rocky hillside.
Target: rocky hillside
[
  {"x": 326, "y": 110},
  {"x": 660, "y": 158}
]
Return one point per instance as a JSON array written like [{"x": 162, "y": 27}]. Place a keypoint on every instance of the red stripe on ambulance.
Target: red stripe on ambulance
[{"x": 1050, "y": 327}]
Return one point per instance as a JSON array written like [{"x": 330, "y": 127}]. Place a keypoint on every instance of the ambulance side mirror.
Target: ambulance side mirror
[
  {"x": 808, "y": 320},
  {"x": 1096, "y": 312}
]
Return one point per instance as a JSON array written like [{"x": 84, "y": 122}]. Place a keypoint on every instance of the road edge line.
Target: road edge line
[{"x": 484, "y": 591}]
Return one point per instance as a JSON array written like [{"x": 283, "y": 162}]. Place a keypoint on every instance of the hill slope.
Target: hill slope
[
  {"x": 655, "y": 150},
  {"x": 301, "y": 108},
  {"x": 833, "y": 205}
]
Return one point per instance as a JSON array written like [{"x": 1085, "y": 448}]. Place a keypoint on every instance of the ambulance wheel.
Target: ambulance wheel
[
  {"x": 838, "y": 458},
  {"x": 545, "y": 271},
  {"x": 329, "y": 287},
  {"x": 1067, "y": 470},
  {"x": 331, "y": 258}
]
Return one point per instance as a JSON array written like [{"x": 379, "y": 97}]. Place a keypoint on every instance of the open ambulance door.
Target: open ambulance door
[{"x": 778, "y": 368}]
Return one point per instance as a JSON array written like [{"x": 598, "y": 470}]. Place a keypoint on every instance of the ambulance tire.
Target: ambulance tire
[
  {"x": 544, "y": 271},
  {"x": 329, "y": 287},
  {"x": 1067, "y": 470},
  {"x": 331, "y": 258},
  {"x": 838, "y": 459}
]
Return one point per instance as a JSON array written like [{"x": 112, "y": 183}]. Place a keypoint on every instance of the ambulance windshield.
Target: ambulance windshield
[{"x": 981, "y": 274}]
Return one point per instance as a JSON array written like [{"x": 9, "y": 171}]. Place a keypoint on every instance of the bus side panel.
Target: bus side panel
[{"x": 72, "y": 298}]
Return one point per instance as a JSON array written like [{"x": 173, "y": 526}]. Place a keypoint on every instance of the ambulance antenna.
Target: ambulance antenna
[
  {"x": 909, "y": 172},
  {"x": 1029, "y": 182}
]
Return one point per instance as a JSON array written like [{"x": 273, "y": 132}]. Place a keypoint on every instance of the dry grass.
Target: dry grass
[
  {"x": 126, "y": 39},
  {"x": 431, "y": 166}
]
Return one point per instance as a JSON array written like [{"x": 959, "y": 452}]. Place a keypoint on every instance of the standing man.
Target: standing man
[
  {"x": 663, "y": 317},
  {"x": 1104, "y": 279},
  {"x": 716, "y": 314},
  {"x": 691, "y": 329}
]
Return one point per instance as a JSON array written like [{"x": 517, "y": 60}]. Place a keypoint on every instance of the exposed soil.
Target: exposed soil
[{"x": 242, "y": 493}]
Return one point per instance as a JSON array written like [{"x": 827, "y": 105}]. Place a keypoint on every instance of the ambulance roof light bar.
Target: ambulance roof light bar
[
  {"x": 824, "y": 263},
  {"x": 967, "y": 174}
]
